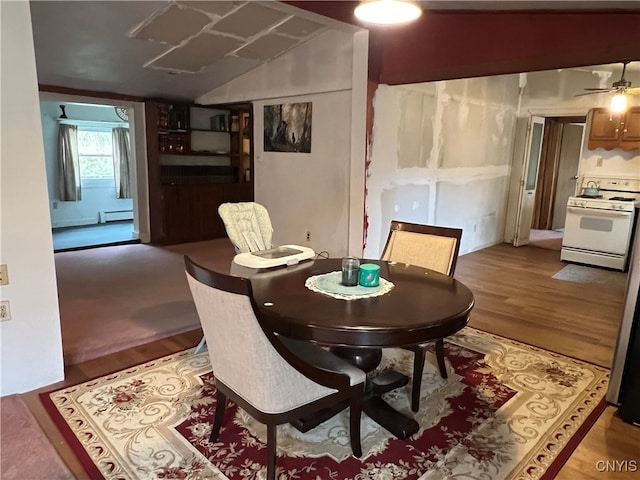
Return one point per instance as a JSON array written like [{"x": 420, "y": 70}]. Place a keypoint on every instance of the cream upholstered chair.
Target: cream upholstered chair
[
  {"x": 274, "y": 379},
  {"x": 248, "y": 226},
  {"x": 431, "y": 247}
]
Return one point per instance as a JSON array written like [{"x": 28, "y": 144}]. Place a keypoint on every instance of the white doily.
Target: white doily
[{"x": 330, "y": 284}]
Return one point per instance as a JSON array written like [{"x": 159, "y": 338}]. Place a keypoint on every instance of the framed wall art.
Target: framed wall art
[{"x": 287, "y": 127}]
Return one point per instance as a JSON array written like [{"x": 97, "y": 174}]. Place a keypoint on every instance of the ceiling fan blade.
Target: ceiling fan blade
[
  {"x": 590, "y": 93},
  {"x": 633, "y": 90},
  {"x": 599, "y": 89}
]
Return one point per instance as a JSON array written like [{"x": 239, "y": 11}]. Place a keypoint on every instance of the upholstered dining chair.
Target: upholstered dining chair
[
  {"x": 431, "y": 247},
  {"x": 248, "y": 225},
  {"x": 275, "y": 379}
]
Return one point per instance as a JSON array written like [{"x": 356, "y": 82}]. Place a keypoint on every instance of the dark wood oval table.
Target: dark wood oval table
[{"x": 423, "y": 305}]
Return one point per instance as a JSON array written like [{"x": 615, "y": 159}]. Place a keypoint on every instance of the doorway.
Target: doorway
[
  {"x": 558, "y": 171},
  {"x": 105, "y": 214},
  {"x": 550, "y": 148}
]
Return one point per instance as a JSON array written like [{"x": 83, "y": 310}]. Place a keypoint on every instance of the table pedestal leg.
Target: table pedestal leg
[{"x": 380, "y": 411}]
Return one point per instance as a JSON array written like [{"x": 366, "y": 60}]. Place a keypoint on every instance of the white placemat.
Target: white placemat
[{"x": 330, "y": 284}]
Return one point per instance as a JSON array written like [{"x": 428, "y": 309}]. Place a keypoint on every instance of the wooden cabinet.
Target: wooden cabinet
[
  {"x": 611, "y": 131},
  {"x": 195, "y": 163}
]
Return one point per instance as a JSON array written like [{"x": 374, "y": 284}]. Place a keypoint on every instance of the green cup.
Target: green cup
[{"x": 369, "y": 275}]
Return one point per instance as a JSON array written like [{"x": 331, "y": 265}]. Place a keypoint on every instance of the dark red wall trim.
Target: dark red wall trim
[
  {"x": 448, "y": 44},
  {"x": 442, "y": 46}
]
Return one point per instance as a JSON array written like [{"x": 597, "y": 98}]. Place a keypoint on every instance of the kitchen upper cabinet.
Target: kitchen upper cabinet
[{"x": 611, "y": 131}]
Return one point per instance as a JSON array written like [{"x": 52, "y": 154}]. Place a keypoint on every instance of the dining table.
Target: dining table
[{"x": 412, "y": 305}]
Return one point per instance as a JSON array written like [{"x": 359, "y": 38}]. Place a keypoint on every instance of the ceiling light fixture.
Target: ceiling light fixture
[
  {"x": 618, "y": 103},
  {"x": 388, "y": 12}
]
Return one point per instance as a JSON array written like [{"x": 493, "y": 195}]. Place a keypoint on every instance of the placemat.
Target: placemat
[{"x": 330, "y": 284}]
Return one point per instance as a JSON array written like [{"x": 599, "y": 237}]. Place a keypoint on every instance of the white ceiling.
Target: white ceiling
[{"x": 184, "y": 49}]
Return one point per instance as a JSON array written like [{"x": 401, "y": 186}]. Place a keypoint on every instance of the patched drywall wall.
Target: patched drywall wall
[{"x": 441, "y": 154}]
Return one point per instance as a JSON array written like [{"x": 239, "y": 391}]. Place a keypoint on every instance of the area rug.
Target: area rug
[
  {"x": 507, "y": 411},
  {"x": 597, "y": 276}
]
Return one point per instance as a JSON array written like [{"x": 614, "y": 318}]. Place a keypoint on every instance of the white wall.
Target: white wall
[
  {"x": 96, "y": 195},
  {"x": 31, "y": 342},
  {"x": 321, "y": 192},
  {"x": 323, "y": 64},
  {"x": 441, "y": 154},
  {"x": 308, "y": 192}
]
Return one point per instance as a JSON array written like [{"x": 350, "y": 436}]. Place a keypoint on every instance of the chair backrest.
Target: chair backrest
[
  {"x": 242, "y": 356},
  {"x": 248, "y": 226},
  {"x": 425, "y": 246}
]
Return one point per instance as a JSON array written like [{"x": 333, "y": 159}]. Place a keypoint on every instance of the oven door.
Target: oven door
[{"x": 598, "y": 230}]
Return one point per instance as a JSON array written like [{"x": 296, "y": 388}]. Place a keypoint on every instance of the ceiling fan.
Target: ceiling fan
[{"x": 620, "y": 89}]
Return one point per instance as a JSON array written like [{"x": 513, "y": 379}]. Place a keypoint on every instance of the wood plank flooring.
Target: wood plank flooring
[{"x": 516, "y": 297}]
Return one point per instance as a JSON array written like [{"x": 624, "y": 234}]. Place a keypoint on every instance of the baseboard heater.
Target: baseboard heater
[{"x": 105, "y": 216}]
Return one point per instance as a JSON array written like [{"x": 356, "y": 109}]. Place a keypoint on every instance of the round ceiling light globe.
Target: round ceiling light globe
[{"x": 387, "y": 12}]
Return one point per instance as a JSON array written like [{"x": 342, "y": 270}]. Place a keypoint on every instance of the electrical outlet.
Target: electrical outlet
[
  {"x": 308, "y": 236},
  {"x": 5, "y": 311},
  {"x": 599, "y": 162},
  {"x": 4, "y": 274}
]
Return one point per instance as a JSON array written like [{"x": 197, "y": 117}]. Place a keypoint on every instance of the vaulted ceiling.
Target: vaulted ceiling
[
  {"x": 179, "y": 49},
  {"x": 183, "y": 49}
]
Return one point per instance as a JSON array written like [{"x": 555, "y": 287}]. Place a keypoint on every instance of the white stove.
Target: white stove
[{"x": 598, "y": 227}]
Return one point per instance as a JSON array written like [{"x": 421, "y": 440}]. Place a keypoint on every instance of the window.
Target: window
[{"x": 95, "y": 152}]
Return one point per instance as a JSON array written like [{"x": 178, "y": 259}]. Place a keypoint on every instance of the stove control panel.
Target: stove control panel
[{"x": 602, "y": 204}]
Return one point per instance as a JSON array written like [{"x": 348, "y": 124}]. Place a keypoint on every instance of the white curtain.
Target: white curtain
[
  {"x": 68, "y": 164},
  {"x": 122, "y": 161}
]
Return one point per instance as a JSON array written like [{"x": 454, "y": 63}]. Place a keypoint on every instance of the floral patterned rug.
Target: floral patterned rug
[{"x": 507, "y": 411}]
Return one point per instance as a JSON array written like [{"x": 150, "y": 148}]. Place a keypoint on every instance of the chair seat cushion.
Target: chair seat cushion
[{"x": 324, "y": 359}]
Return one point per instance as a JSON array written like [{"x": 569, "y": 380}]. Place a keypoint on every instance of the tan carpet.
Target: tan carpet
[
  {"x": 114, "y": 298},
  {"x": 26, "y": 451}
]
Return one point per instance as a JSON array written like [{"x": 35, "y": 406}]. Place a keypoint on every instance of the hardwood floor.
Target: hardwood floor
[{"x": 516, "y": 297}]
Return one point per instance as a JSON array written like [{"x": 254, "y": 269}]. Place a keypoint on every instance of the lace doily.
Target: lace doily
[{"x": 329, "y": 284}]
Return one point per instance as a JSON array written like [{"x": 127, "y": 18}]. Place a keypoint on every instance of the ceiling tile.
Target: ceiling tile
[
  {"x": 173, "y": 26},
  {"x": 215, "y": 7},
  {"x": 249, "y": 20},
  {"x": 266, "y": 47},
  {"x": 199, "y": 52},
  {"x": 298, "y": 27}
]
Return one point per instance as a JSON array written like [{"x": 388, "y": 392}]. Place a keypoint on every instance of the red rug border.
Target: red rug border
[
  {"x": 94, "y": 473},
  {"x": 564, "y": 455},
  {"x": 76, "y": 446}
]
